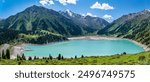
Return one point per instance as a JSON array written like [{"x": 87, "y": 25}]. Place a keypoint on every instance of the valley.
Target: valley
[{"x": 38, "y": 25}]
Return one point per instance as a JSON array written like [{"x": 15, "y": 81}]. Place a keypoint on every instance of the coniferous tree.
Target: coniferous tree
[
  {"x": 75, "y": 57},
  {"x": 23, "y": 57},
  {"x": 35, "y": 58},
  {"x": 3, "y": 55},
  {"x": 59, "y": 57},
  {"x": 7, "y": 54},
  {"x": 50, "y": 57},
  {"x": 18, "y": 57},
  {"x": 0, "y": 57},
  {"x": 82, "y": 56},
  {"x": 62, "y": 57}
]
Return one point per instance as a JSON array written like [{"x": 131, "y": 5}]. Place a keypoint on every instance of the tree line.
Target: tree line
[
  {"x": 13, "y": 36},
  {"x": 5, "y": 54},
  {"x": 7, "y": 36},
  {"x": 22, "y": 58},
  {"x": 59, "y": 57}
]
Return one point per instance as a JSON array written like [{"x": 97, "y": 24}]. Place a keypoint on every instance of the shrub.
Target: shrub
[
  {"x": 124, "y": 53},
  {"x": 141, "y": 58},
  {"x": 37, "y": 58},
  {"x": 19, "y": 62},
  {"x": 46, "y": 61},
  {"x": 30, "y": 58}
]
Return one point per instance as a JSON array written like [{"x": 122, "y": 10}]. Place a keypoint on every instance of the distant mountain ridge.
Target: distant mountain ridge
[
  {"x": 134, "y": 26},
  {"x": 95, "y": 23}
]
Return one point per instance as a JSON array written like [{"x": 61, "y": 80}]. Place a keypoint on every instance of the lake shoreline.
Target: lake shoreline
[
  {"x": 108, "y": 38},
  {"x": 19, "y": 49},
  {"x": 146, "y": 48},
  {"x": 94, "y": 38}
]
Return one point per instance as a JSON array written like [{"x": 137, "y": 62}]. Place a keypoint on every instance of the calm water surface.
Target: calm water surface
[{"x": 84, "y": 47}]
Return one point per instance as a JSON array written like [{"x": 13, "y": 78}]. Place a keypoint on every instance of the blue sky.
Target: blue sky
[{"x": 107, "y": 9}]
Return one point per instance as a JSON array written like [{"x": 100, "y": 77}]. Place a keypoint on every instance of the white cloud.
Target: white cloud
[
  {"x": 89, "y": 14},
  {"x": 65, "y": 2},
  {"x": 46, "y": 2},
  {"x": 103, "y": 6},
  {"x": 106, "y": 16}
]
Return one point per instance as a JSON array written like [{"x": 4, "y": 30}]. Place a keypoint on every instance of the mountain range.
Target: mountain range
[
  {"x": 37, "y": 17},
  {"x": 89, "y": 22},
  {"x": 37, "y": 20}
]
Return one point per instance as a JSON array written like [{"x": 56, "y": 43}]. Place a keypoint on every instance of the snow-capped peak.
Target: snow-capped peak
[
  {"x": 69, "y": 12},
  {"x": 145, "y": 11},
  {"x": 148, "y": 10}
]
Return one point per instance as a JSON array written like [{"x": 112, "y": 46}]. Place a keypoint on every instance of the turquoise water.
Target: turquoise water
[{"x": 84, "y": 47}]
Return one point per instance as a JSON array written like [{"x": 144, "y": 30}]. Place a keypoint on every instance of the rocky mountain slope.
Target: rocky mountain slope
[{"x": 134, "y": 26}]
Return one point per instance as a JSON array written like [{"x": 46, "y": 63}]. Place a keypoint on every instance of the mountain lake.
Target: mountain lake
[{"x": 77, "y": 48}]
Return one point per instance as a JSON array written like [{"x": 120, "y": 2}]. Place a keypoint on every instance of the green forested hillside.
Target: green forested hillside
[
  {"x": 134, "y": 26},
  {"x": 40, "y": 25},
  {"x": 36, "y": 37},
  {"x": 40, "y": 18},
  {"x": 7, "y": 36},
  {"x": 41, "y": 37}
]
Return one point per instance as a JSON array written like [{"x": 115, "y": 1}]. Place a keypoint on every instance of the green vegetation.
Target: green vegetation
[
  {"x": 34, "y": 37},
  {"x": 41, "y": 19},
  {"x": 23, "y": 57},
  {"x": 41, "y": 37},
  {"x": 5, "y": 54},
  {"x": 8, "y": 54},
  {"x": 7, "y": 36},
  {"x": 134, "y": 26},
  {"x": 50, "y": 57},
  {"x": 122, "y": 59}
]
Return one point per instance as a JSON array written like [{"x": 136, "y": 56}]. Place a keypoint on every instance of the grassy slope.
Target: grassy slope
[{"x": 101, "y": 60}]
